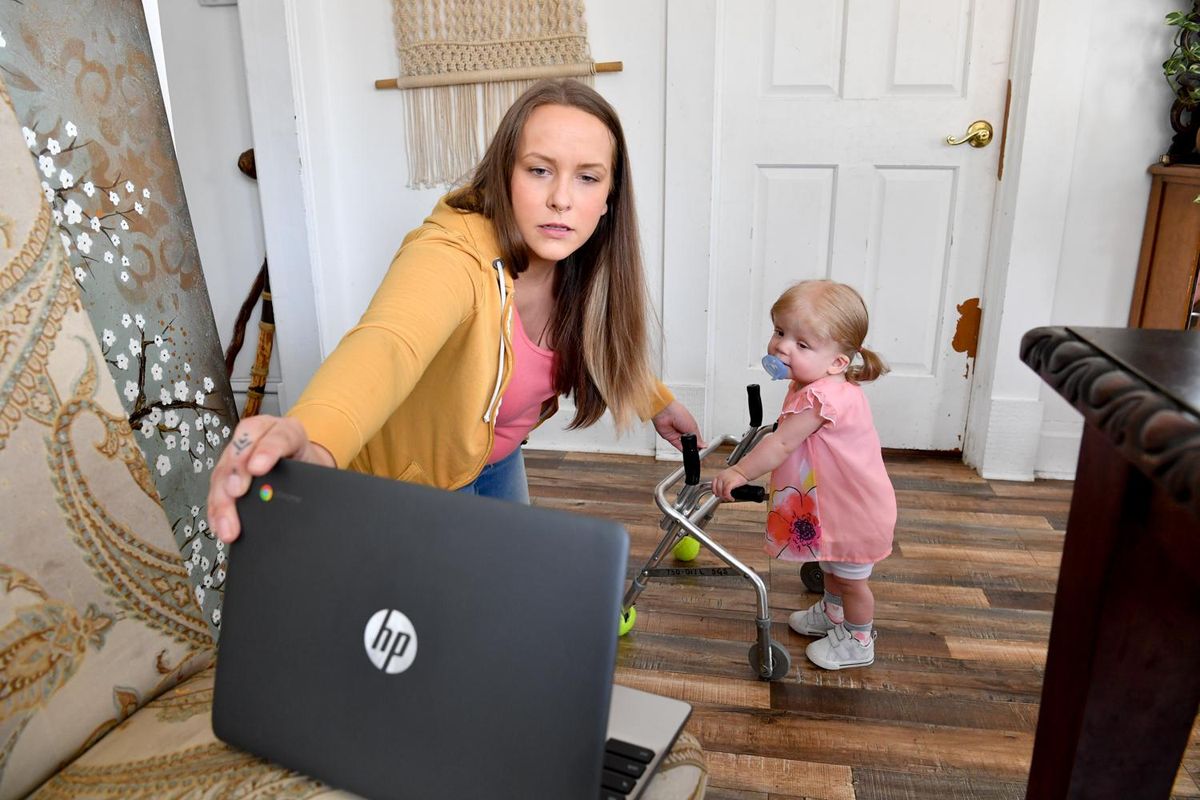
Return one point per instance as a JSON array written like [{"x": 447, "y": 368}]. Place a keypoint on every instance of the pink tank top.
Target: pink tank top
[{"x": 531, "y": 385}]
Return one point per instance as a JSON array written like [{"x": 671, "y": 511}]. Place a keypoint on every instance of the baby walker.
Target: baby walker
[{"x": 683, "y": 524}]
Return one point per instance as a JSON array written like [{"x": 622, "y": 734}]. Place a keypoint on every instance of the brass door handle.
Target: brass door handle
[{"x": 978, "y": 135}]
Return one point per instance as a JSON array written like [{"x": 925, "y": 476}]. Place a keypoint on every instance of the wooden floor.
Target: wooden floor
[{"x": 950, "y": 706}]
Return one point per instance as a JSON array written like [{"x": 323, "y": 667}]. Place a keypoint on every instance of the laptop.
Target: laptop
[{"x": 396, "y": 640}]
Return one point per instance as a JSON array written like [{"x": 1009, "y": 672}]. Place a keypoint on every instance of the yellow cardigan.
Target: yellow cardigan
[{"x": 411, "y": 392}]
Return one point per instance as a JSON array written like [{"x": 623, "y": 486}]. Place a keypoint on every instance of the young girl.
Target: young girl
[
  {"x": 523, "y": 286},
  {"x": 831, "y": 500}
]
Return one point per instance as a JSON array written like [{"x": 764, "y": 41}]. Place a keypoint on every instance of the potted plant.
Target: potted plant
[{"x": 1182, "y": 71}]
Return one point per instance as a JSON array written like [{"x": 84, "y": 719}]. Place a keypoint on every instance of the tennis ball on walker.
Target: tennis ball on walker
[
  {"x": 625, "y": 623},
  {"x": 687, "y": 549}
]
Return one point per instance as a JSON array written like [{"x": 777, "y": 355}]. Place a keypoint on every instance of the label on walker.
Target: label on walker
[{"x": 677, "y": 572}]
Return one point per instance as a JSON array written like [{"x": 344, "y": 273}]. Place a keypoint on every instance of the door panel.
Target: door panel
[{"x": 832, "y": 162}]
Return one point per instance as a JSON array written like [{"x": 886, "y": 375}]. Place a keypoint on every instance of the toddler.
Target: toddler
[{"x": 831, "y": 499}]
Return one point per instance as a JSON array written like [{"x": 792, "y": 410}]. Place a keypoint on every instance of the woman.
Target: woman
[{"x": 524, "y": 285}]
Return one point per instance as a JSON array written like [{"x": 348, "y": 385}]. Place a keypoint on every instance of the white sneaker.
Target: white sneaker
[
  {"x": 812, "y": 621},
  {"x": 840, "y": 650}
]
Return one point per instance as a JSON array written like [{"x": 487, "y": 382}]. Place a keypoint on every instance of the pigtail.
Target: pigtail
[{"x": 872, "y": 367}]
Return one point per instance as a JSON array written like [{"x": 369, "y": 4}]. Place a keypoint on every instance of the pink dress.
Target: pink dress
[{"x": 831, "y": 500}]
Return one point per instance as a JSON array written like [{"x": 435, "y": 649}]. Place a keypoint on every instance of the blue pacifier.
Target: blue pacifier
[{"x": 776, "y": 368}]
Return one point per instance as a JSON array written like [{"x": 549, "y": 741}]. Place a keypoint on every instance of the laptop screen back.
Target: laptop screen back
[{"x": 401, "y": 641}]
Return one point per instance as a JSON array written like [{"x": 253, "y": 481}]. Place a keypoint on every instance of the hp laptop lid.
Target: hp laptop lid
[{"x": 401, "y": 641}]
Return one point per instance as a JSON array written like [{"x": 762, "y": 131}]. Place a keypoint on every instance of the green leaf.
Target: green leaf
[{"x": 1184, "y": 20}]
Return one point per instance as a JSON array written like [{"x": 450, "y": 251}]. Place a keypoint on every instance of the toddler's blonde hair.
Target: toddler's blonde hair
[{"x": 839, "y": 315}]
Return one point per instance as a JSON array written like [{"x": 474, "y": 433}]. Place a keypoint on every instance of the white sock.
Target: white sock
[
  {"x": 861, "y": 632},
  {"x": 831, "y": 604}
]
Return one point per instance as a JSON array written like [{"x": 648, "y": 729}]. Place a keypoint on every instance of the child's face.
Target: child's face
[
  {"x": 561, "y": 180},
  {"x": 808, "y": 355}
]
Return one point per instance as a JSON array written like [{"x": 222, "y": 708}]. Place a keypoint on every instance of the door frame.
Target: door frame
[
  {"x": 279, "y": 123},
  {"x": 692, "y": 111}
]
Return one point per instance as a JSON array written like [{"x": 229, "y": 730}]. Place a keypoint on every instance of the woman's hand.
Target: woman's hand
[
  {"x": 674, "y": 421},
  {"x": 726, "y": 481},
  {"x": 258, "y": 443}
]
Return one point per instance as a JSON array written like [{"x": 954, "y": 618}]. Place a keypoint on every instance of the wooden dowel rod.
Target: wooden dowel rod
[{"x": 489, "y": 76}]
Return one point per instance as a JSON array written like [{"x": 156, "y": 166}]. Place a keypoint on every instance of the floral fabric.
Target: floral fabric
[
  {"x": 831, "y": 500},
  {"x": 81, "y": 79},
  {"x": 96, "y": 612}
]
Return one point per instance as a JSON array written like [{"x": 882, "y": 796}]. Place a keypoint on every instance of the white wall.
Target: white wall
[
  {"x": 1070, "y": 213},
  {"x": 1123, "y": 129},
  {"x": 210, "y": 119}
]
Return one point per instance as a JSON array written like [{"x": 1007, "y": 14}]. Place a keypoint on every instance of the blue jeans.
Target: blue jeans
[{"x": 504, "y": 480}]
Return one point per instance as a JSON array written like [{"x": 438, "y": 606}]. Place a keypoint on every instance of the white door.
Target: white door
[{"x": 832, "y": 162}]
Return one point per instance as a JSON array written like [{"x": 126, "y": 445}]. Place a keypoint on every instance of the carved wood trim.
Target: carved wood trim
[{"x": 1153, "y": 432}]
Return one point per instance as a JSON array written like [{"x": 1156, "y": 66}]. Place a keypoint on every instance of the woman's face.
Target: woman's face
[{"x": 560, "y": 181}]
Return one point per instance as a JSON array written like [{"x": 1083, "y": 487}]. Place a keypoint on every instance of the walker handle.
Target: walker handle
[
  {"x": 749, "y": 493},
  {"x": 691, "y": 459},
  {"x": 755, "y": 398}
]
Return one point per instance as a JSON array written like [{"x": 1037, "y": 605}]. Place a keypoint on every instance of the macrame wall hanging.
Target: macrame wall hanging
[{"x": 464, "y": 62}]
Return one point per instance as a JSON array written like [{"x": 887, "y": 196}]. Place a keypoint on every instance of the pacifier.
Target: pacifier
[{"x": 775, "y": 368}]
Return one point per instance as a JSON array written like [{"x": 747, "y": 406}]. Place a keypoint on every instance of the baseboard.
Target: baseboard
[
  {"x": 242, "y": 384},
  {"x": 1058, "y": 450},
  {"x": 603, "y": 437},
  {"x": 599, "y": 438},
  {"x": 694, "y": 397},
  {"x": 270, "y": 401},
  {"x": 1013, "y": 439}
]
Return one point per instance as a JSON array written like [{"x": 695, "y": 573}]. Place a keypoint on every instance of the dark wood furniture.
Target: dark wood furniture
[
  {"x": 1165, "y": 291},
  {"x": 1122, "y": 683}
]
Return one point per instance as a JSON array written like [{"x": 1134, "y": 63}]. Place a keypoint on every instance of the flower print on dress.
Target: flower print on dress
[{"x": 793, "y": 526}]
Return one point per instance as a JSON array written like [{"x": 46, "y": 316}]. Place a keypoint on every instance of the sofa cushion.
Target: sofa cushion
[
  {"x": 96, "y": 613},
  {"x": 168, "y": 750}
]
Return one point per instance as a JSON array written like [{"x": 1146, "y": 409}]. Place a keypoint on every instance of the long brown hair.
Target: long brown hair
[
  {"x": 839, "y": 314},
  {"x": 599, "y": 323}
]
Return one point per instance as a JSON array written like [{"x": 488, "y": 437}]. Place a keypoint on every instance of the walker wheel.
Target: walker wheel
[
  {"x": 813, "y": 577},
  {"x": 686, "y": 549},
  {"x": 625, "y": 624},
  {"x": 781, "y": 662}
]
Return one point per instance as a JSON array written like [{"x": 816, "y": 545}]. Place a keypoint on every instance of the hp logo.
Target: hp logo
[{"x": 391, "y": 641}]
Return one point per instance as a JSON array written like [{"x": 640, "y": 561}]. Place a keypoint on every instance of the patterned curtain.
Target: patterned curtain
[{"x": 82, "y": 80}]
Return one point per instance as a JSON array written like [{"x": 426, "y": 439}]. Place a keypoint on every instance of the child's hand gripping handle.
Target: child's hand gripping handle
[
  {"x": 750, "y": 494},
  {"x": 691, "y": 460},
  {"x": 755, "y": 398}
]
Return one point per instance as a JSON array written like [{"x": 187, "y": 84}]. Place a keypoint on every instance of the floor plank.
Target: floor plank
[{"x": 963, "y": 607}]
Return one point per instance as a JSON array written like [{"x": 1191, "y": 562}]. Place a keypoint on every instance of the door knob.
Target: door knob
[{"x": 978, "y": 135}]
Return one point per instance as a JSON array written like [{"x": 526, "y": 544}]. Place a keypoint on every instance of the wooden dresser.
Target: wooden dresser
[
  {"x": 1165, "y": 292},
  {"x": 1121, "y": 688}
]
